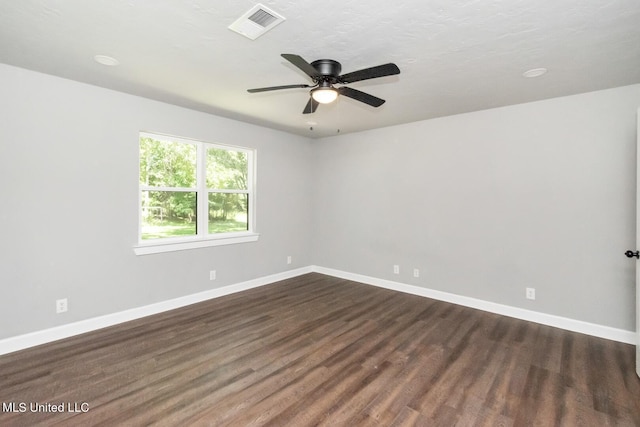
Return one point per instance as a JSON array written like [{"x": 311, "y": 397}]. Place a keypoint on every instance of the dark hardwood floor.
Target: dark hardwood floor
[{"x": 316, "y": 350}]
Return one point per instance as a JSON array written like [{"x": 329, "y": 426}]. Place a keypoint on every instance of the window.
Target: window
[{"x": 193, "y": 194}]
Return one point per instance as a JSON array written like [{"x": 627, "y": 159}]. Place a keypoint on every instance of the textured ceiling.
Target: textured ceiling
[{"x": 454, "y": 56}]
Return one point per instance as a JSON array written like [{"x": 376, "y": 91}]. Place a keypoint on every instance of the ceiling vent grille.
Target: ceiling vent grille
[
  {"x": 256, "y": 22},
  {"x": 263, "y": 18}
]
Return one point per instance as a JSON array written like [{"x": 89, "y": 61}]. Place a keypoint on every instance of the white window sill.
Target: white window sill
[{"x": 147, "y": 248}]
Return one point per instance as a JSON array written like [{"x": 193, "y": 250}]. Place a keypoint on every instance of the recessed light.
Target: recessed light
[
  {"x": 106, "y": 60},
  {"x": 535, "y": 72}
]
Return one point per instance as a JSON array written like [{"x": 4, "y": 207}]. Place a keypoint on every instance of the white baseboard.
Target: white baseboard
[
  {"x": 12, "y": 344},
  {"x": 9, "y": 345},
  {"x": 592, "y": 329}
]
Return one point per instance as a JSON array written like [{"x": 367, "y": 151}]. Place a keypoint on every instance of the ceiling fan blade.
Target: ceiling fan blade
[
  {"x": 361, "y": 96},
  {"x": 266, "y": 89},
  {"x": 370, "y": 73},
  {"x": 311, "y": 106},
  {"x": 299, "y": 62}
]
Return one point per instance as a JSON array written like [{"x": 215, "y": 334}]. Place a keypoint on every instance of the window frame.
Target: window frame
[{"x": 202, "y": 238}]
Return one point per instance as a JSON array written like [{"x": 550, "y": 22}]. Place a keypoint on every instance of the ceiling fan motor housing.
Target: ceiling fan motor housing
[{"x": 328, "y": 69}]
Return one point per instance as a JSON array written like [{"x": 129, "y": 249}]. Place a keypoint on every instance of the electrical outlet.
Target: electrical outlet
[
  {"x": 396, "y": 269},
  {"x": 289, "y": 259},
  {"x": 212, "y": 275},
  {"x": 416, "y": 272},
  {"x": 62, "y": 305},
  {"x": 531, "y": 293}
]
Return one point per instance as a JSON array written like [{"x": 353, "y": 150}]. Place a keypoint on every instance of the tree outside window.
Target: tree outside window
[{"x": 192, "y": 189}]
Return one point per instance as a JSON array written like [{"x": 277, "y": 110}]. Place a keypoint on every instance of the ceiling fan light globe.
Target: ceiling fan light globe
[{"x": 324, "y": 95}]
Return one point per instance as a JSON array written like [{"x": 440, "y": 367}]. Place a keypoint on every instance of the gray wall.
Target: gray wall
[
  {"x": 68, "y": 212},
  {"x": 486, "y": 204}
]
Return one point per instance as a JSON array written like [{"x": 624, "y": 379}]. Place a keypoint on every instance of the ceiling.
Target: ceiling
[{"x": 454, "y": 56}]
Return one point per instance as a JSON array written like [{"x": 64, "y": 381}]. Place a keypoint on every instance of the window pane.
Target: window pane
[
  {"x": 168, "y": 214},
  {"x": 167, "y": 164},
  {"x": 227, "y": 169},
  {"x": 228, "y": 212}
]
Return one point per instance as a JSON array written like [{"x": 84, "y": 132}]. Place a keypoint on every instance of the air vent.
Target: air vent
[
  {"x": 263, "y": 18},
  {"x": 256, "y": 22}
]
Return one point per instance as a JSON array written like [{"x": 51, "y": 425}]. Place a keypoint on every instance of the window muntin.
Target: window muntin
[{"x": 192, "y": 190}]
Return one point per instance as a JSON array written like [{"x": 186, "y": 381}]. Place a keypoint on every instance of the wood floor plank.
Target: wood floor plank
[{"x": 318, "y": 350}]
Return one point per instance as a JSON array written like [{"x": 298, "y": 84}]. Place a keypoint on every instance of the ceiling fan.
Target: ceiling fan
[{"x": 325, "y": 73}]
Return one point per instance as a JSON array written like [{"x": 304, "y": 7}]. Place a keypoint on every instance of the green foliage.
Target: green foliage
[
  {"x": 164, "y": 229},
  {"x": 167, "y": 164},
  {"x": 174, "y": 165},
  {"x": 226, "y": 169},
  {"x": 223, "y": 206}
]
